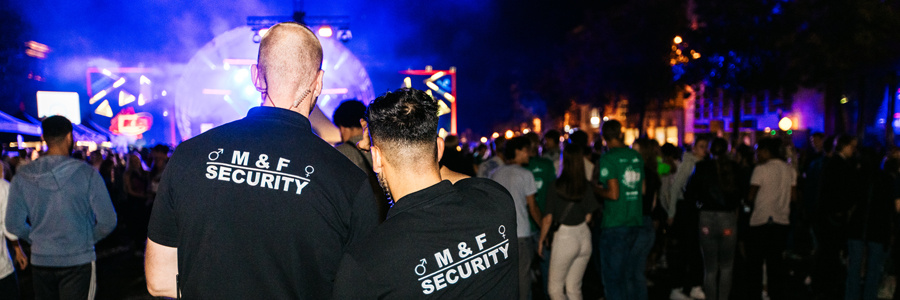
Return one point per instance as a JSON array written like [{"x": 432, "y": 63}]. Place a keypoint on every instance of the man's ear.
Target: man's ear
[
  {"x": 376, "y": 160},
  {"x": 254, "y": 75},
  {"x": 320, "y": 77},
  {"x": 365, "y": 142},
  {"x": 440, "y": 148}
]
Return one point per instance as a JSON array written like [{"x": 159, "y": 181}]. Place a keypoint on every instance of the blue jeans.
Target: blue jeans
[
  {"x": 875, "y": 254},
  {"x": 642, "y": 245},
  {"x": 718, "y": 240},
  {"x": 618, "y": 263}
]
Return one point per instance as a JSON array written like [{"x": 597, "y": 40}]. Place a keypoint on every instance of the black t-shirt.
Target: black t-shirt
[
  {"x": 260, "y": 208},
  {"x": 556, "y": 205},
  {"x": 446, "y": 241}
]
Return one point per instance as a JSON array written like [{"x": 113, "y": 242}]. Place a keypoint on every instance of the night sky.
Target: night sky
[{"x": 493, "y": 44}]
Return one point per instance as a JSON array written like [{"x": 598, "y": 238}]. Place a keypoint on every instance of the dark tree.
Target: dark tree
[
  {"x": 14, "y": 64},
  {"x": 619, "y": 51},
  {"x": 841, "y": 45}
]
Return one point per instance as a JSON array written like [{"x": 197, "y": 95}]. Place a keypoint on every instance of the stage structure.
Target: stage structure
[
  {"x": 439, "y": 85},
  {"x": 215, "y": 87},
  {"x": 126, "y": 102}
]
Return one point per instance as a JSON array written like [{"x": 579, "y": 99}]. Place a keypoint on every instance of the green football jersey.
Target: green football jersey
[{"x": 626, "y": 166}]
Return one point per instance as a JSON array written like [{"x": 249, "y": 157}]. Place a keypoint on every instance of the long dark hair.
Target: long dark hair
[
  {"x": 649, "y": 150},
  {"x": 724, "y": 166},
  {"x": 571, "y": 182}
]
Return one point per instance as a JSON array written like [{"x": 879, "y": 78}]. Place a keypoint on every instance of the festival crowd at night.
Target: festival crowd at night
[{"x": 260, "y": 149}]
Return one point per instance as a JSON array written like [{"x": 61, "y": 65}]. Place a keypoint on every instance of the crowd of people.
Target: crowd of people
[
  {"x": 126, "y": 179},
  {"x": 695, "y": 214},
  {"x": 262, "y": 208}
]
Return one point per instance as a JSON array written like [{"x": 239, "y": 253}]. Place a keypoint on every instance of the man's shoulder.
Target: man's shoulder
[
  {"x": 707, "y": 163},
  {"x": 541, "y": 161},
  {"x": 614, "y": 155},
  {"x": 481, "y": 185},
  {"x": 345, "y": 147}
]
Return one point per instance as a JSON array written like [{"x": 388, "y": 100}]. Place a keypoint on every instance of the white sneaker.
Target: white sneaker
[
  {"x": 697, "y": 293},
  {"x": 678, "y": 295}
]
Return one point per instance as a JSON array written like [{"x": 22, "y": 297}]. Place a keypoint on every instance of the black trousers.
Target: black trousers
[
  {"x": 63, "y": 283},
  {"x": 829, "y": 274},
  {"x": 9, "y": 287},
  {"x": 684, "y": 255},
  {"x": 766, "y": 244}
]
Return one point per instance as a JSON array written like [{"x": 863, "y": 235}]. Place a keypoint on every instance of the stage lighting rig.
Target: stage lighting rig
[{"x": 324, "y": 26}]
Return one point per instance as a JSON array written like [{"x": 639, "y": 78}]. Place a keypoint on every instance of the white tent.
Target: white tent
[
  {"x": 80, "y": 132},
  {"x": 11, "y": 124}
]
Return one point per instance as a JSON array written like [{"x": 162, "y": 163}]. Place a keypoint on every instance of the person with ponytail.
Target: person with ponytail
[
  {"x": 715, "y": 187},
  {"x": 570, "y": 202}
]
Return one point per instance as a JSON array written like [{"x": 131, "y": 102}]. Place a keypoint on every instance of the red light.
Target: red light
[{"x": 325, "y": 31}]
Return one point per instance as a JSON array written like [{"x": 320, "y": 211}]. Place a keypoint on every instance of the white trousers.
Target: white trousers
[{"x": 568, "y": 260}]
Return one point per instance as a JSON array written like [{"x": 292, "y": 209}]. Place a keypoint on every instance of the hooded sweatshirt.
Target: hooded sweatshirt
[
  {"x": 67, "y": 209},
  {"x": 679, "y": 182}
]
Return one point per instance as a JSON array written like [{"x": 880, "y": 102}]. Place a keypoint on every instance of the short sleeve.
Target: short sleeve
[
  {"x": 757, "y": 177},
  {"x": 896, "y": 184},
  {"x": 793, "y": 177},
  {"x": 530, "y": 184},
  {"x": 364, "y": 214},
  {"x": 351, "y": 281},
  {"x": 163, "y": 227},
  {"x": 606, "y": 169},
  {"x": 589, "y": 203},
  {"x": 552, "y": 200}
]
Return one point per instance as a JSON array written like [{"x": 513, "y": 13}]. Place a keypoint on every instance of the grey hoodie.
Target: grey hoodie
[
  {"x": 61, "y": 206},
  {"x": 676, "y": 190}
]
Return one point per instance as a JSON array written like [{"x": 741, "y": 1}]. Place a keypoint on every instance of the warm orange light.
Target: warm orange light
[
  {"x": 677, "y": 39},
  {"x": 325, "y": 31},
  {"x": 509, "y": 134},
  {"x": 37, "y": 46},
  {"x": 785, "y": 124}
]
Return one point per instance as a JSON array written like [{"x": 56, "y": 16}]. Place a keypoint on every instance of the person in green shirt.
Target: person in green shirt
[
  {"x": 621, "y": 174},
  {"x": 544, "y": 173}
]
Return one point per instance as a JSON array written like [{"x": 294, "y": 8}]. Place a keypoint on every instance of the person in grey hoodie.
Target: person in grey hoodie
[{"x": 61, "y": 207}]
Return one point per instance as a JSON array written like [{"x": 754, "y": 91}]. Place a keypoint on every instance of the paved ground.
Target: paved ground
[{"x": 120, "y": 275}]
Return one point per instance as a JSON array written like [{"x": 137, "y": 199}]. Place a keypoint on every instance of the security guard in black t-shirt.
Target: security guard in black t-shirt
[
  {"x": 440, "y": 239},
  {"x": 260, "y": 208}
]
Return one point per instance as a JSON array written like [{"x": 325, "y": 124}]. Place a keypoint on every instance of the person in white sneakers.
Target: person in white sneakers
[{"x": 685, "y": 259}]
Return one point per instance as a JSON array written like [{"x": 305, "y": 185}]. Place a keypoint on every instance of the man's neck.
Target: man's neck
[
  {"x": 300, "y": 109},
  {"x": 347, "y": 134},
  {"x": 405, "y": 182},
  {"x": 845, "y": 155},
  {"x": 615, "y": 144},
  {"x": 57, "y": 151}
]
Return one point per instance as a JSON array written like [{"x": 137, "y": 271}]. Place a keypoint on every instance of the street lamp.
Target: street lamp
[{"x": 785, "y": 124}]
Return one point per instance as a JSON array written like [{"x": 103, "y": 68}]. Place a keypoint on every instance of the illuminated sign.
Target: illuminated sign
[
  {"x": 59, "y": 103},
  {"x": 129, "y": 123}
]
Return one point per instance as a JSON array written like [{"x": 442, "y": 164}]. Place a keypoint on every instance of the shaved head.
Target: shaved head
[{"x": 290, "y": 58}]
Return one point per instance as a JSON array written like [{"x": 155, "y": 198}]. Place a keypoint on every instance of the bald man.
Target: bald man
[{"x": 260, "y": 208}]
